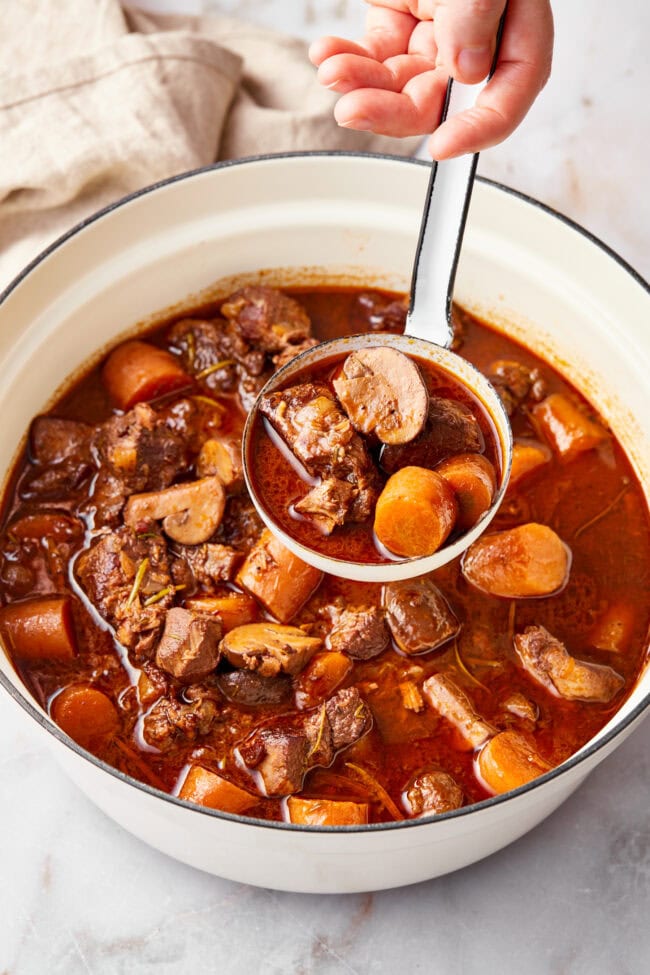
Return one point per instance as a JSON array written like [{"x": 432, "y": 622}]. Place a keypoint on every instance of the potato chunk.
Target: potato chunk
[
  {"x": 568, "y": 430},
  {"x": 326, "y": 812},
  {"x": 548, "y": 662},
  {"x": 527, "y": 456},
  {"x": 277, "y": 578},
  {"x": 206, "y": 788},
  {"x": 530, "y": 560}
]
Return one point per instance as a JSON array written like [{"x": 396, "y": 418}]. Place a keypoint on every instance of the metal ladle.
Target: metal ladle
[{"x": 428, "y": 336}]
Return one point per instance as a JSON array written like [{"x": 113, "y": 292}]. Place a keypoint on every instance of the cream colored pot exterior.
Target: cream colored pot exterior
[{"x": 522, "y": 266}]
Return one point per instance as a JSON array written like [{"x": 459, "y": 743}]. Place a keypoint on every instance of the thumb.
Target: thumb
[{"x": 465, "y": 32}]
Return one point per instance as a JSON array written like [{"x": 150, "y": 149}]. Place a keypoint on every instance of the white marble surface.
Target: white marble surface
[{"x": 79, "y": 895}]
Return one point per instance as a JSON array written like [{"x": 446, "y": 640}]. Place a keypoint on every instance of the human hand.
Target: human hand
[{"x": 394, "y": 81}]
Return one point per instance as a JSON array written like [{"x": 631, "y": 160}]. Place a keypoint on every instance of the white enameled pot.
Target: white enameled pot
[{"x": 343, "y": 218}]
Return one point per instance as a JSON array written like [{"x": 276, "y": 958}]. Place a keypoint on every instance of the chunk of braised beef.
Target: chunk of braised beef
[
  {"x": 126, "y": 577},
  {"x": 266, "y": 318},
  {"x": 451, "y": 428},
  {"x": 291, "y": 351},
  {"x": 280, "y": 755},
  {"x": 140, "y": 449},
  {"x": 53, "y": 440},
  {"x": 361, "y": 632},
  {"x": 515, "y": 383},
  {"x": 203, "y": 345},
  {"x": 249, "y": 689},
  {"x": 433, "y": 792},
  {"x": 328, "y": 503},
  {"x": 321, "y": 436},
  {"x": 379, "y": 313},
  {"x": 282, "y": 752},
  {"x": 59, "y": 450},
  {"x": 171, "y": 721},
  {"x": 36, "y": 550},
  {"x": 136, "y": 452},
  {"x": 241, "y": 525},
  {"x": 418, "y": 615},
  {"x": 249, "y": 388},
  {"x": 189, "y": 646},
  {"x": 209, "y": 563}
]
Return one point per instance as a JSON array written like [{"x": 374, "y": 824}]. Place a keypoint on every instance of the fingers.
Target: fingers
[
  {"x": 345, "y": 72},
  {"x": 327, "y": 47},
  {"x": 466, "y": 35},
  {"x": 412, "y": 111},
  {"x": 523, "y": 70}
]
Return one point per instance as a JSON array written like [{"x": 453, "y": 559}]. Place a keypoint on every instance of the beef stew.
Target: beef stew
[{"x": 146, "y": 608}]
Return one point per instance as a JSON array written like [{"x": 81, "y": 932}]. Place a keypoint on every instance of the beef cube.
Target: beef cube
[
  {"x": 139, "y": 450},
  {"x": 53, "y": 440},
  {"x": 361, "y": 632},
  {"x": 126, "y": 577},
  {"x": 451, "y": 428},
  {"x": 516, "y": 383},
  {"x": 548, "y": 661},
  {"x": 318, "y": 432},
  {"x": 60, "y": 452},
  {"x": 349, "y": 718},
  {"x": 328, "y": 503},
  {"x": 375, "y": 312},
  {"x": 291, "y": 351},
  {"x": 284, "y": 751},
  {"x": 189, "y": 647},
  {"x": 170, "y": 721},
  {"x": 210, "y": 562},
  {"x": 203, "y": 345},
  {"x": 280, "y": 757},
  {"x": 433, "y": 792},
  {"x": 418, "y": 615},
  {"x": 250, "y": 689},
  {"x": 266, "y": 318}
]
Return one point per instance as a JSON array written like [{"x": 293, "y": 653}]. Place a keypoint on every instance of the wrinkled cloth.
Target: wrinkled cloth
[{"x": 97, "y": 101}]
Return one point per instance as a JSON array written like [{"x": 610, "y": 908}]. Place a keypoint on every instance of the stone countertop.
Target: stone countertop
[{"x": 80, "y": 895}]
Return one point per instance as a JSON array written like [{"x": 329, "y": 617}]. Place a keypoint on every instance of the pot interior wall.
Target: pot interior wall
[{"x": 346, "y": 219}]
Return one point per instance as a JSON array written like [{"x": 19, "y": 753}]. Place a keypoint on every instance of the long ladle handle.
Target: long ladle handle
[{"x": 443, "y": 225}]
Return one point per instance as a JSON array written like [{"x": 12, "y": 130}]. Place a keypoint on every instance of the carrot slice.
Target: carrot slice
[
  {"x": 235, "y": 609},
  {"x": 509, "y": 760},
  {"x": 415, "y": 512},
  {"x": 474, "y": 482},
  {"x": 206, "y": 788},
  {"x": 86, "y": 714},
  {"x": 321, "y": 676},
  {"x": 326, "y": 812},
  {"x": 136, "y": 371},
  {"x": 40, "y": 629}
]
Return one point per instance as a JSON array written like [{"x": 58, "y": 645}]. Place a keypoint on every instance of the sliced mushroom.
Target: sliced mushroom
[
  {"x": 383, "y": 392},
  {"x": 221, "y": 458},
  {"x": 190, "y": 513},
  {"x": 269, "y": 648}
]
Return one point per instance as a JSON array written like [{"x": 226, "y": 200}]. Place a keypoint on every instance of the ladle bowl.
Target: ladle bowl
[{"x": 444, "y": 360}]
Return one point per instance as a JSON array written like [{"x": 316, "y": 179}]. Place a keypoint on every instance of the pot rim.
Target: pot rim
[{"x": 25, "y": 703}]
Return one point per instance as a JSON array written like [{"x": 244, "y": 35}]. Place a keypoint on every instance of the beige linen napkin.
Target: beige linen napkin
[{"x": 97, "y": 101}]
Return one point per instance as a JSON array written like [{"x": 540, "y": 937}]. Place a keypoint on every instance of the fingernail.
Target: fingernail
[
  {"x": 474, "y": 62},
  {"x": 333, "y": 84},
  {"x": 363, "y": 124}
]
